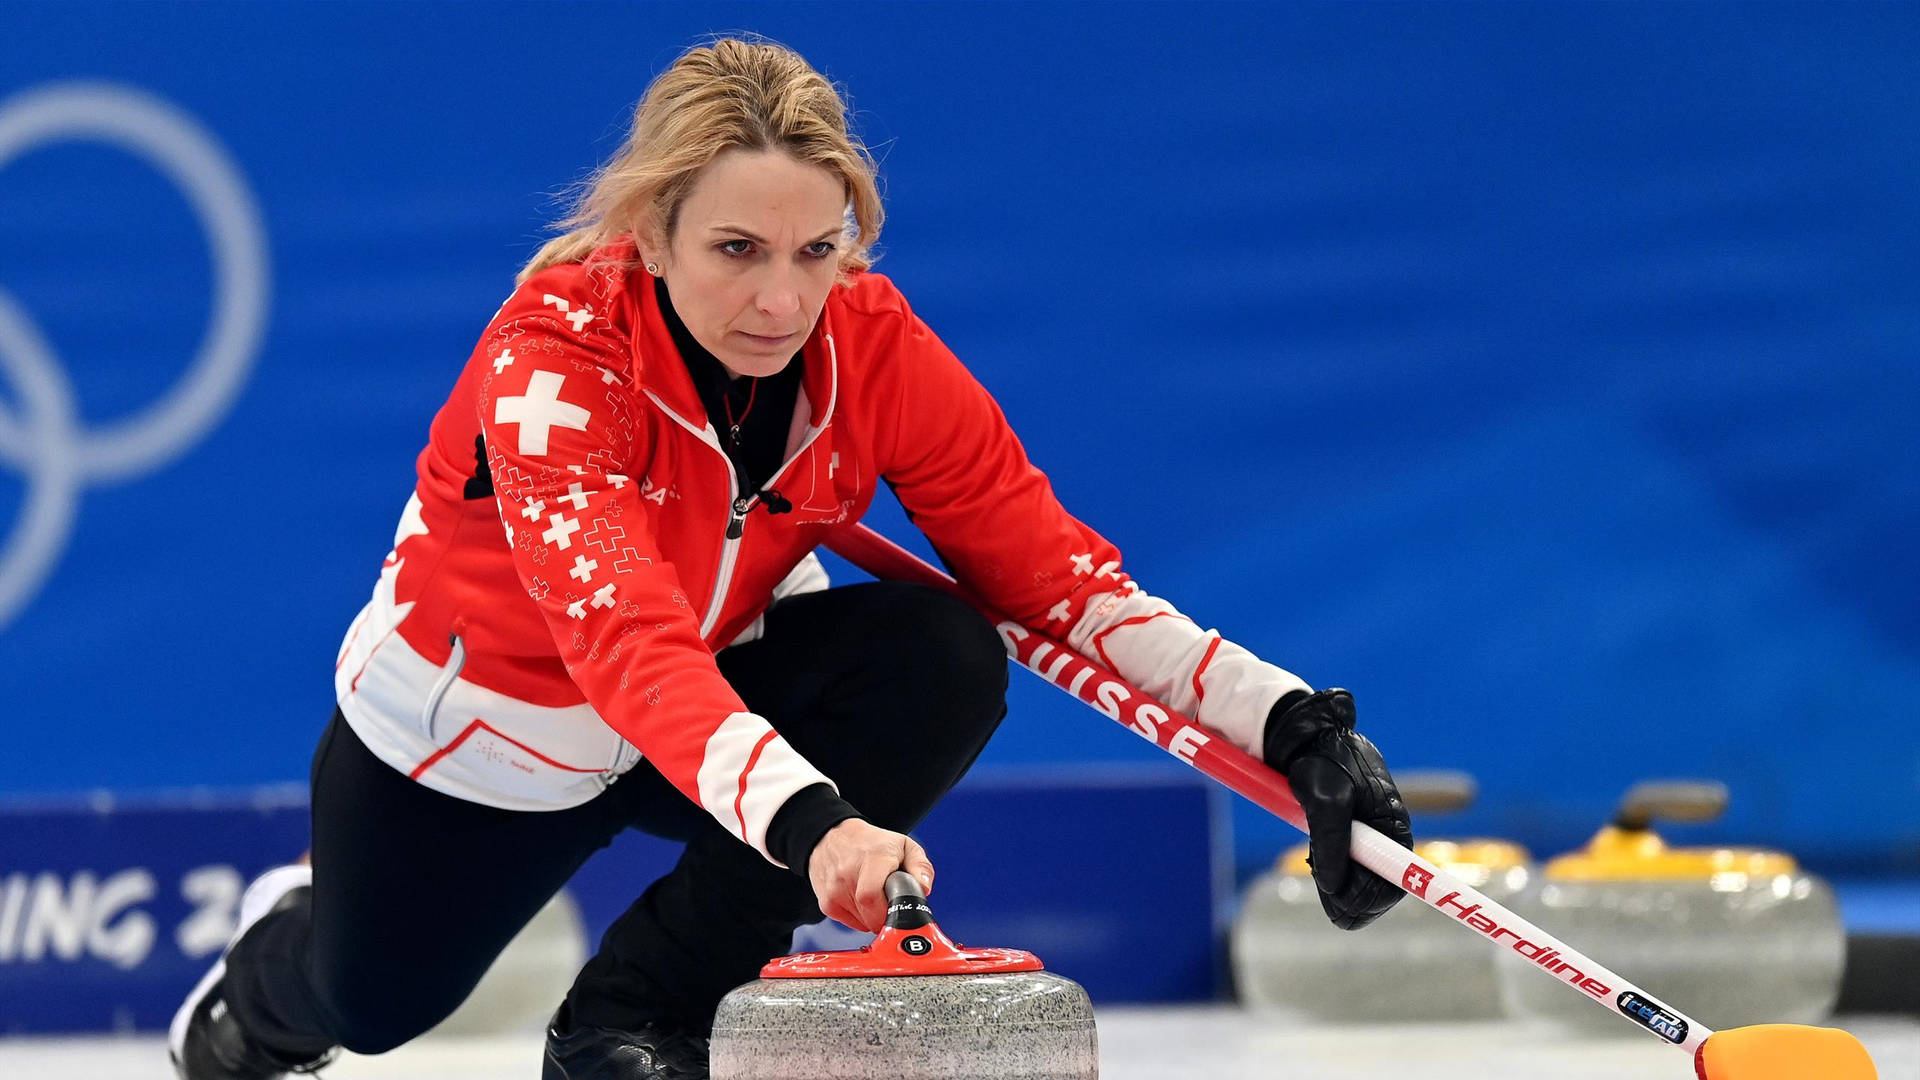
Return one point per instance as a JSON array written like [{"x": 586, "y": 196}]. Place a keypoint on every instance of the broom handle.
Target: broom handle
[{"x": 1214, "y": 755}]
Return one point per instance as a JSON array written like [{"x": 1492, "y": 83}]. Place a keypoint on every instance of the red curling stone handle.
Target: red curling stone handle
[{"x": 910, "y": 944}]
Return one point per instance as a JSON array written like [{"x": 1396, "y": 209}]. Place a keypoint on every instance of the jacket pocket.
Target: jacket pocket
[{"x": 430, "y": 712}]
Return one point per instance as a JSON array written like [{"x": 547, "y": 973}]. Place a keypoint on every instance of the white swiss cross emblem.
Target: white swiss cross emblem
[
  {"x": 539, "y": 411},
  {"x": 1416, "y": 881},
  {"x": 578, "y": 318},
  {"x": 561, "y": 533},
  {"x": 503, "y": 361}
]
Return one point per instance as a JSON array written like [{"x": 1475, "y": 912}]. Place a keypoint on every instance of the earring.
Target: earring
[{"x": 654, "y": 269}]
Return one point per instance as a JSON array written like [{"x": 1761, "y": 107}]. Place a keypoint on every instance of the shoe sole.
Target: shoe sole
[{"x": 260, "y": 897}]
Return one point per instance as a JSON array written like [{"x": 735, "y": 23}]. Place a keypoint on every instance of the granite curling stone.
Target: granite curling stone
[
  {"x": 1735, "y": 936},
  {"x": 1411, "y": 964},
  {"x": 910, "y": 1006}
]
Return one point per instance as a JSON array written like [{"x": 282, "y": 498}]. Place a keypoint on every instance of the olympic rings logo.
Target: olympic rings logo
[{"x": 47, "y": 443}]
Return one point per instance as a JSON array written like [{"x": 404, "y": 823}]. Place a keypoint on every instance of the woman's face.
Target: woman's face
[{"x": 753, "y": 256}]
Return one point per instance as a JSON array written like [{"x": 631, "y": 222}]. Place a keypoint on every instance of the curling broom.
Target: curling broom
[{"x": 1760, "y": 1052}]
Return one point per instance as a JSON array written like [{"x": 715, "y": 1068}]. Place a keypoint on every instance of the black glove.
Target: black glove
[{"x": 1339, "y": 778}]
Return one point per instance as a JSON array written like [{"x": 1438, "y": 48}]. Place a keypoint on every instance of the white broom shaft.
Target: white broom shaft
[
  {"x": 1215, "y": 756},
  {"x": 1552, "y": 957}
]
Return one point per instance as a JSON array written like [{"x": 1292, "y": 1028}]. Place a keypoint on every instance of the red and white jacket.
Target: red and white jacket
[{"x": 546, "y": 619}]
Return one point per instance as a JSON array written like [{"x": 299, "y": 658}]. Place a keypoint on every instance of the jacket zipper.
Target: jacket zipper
[
  {"x": 737, "y": 525},
  {"x": 730, "y": 552},
  {"x": 740, "y": 505},
  {"x": 620, "y": 764},
  {"x": 737, "y": 507}
]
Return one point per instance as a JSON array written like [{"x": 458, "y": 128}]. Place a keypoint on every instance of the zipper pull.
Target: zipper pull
[{"x": 738, "y": 522}]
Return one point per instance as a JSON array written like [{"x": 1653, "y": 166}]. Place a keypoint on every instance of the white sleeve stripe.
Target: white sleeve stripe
[
  {"x": 1190, "y": 670},
  {"x": 747, "y": 774}
]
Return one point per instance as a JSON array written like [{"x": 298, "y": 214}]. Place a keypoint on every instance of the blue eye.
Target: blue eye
[
  {"x": 824, "y": 249},
  {"x": 727, "y": 248}
]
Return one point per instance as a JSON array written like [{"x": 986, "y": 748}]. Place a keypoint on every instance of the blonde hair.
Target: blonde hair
[{"x": 729, "y": 94}]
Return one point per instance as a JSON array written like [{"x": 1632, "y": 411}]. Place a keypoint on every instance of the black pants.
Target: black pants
[{"x": 889, "y": 689}]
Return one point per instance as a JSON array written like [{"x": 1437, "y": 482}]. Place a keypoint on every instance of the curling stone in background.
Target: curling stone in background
[
  {"x": 531, "y": 975},
  {"x": 1409, "y": 964},
  {"x": 1732, "y": 936},
  {"x": 910, "y": 1006}
]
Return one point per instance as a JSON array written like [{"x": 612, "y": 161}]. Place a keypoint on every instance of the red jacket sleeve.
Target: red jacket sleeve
[
  {"x": 961, "y": 473},
  {"x": 963, "y": 477},
  {"x": 561, "y": 420}
]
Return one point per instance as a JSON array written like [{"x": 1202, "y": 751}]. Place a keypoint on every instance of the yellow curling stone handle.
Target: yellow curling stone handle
[
  {"x": 1439, "y": 791},
  {"x": 1466, "y": 856},
  {"x": 1617, "y": 854}
]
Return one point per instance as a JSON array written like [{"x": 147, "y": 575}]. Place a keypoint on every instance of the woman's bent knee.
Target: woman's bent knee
[
  {"x": 372, "y": 1015},
  {"x": 957, "y": 648},
  {"x": 376, "y": 1030}
]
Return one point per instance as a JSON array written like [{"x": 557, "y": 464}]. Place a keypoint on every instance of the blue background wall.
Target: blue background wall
[{"x": 1545, "y": 373}]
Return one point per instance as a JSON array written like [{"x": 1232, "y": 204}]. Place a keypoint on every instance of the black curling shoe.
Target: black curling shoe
[
  {"x": 205, "y": 1040},
  {"x": 651, "y": 1052},
  {"x": 215, "y": 1048}
]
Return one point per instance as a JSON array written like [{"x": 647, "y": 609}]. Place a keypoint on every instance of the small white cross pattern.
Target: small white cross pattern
[
  {"x": 561, "y": 534},
  {"x": 1083, "y": 565},
  {"x": 539, "y": 411},
  {"x": 583, "y": 567},
  {"x": 533, "y": 510},
  {"x": 608, "y": 538},
  {"x": 503, "y": 361},
  {"x": 576, "y": 495},
  {"x": 578, "y": 318},
  {"x": 1060, "y": 611},
  {"x": 603, "y": 596},
  {"x": 577, "y": 609}
]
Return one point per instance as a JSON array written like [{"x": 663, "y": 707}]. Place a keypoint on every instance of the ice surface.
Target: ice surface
[{"x": 1204, "y": 1043}]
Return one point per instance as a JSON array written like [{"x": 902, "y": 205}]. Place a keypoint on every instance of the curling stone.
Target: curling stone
[
  {"x": 1409, "y": 964},
  {"x": 910, "y": 1006},
  {"x": 1732, "y": 936}
]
